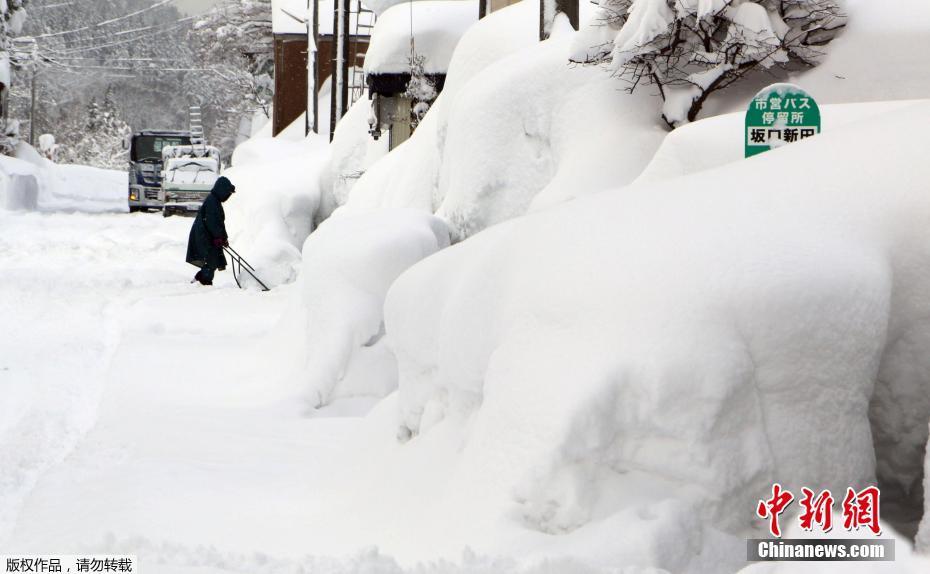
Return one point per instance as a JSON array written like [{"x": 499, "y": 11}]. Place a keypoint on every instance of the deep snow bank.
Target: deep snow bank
[
  {"x": 681, "y": 342},
  {"x": 29, "y": 182},
  {"x": 879, "y": 56},
  {"x": 273, "y": 209},
  {"x": 516, "y": 127},
  {"x": 717, "y": 141},
  {"x": 332, "y": 335},
  {"x": 434, "y": 26},
  {"x": 280, "y": 195}
]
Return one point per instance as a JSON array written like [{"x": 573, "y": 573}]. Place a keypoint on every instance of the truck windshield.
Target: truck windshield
[{"x": 148, "y": 148}]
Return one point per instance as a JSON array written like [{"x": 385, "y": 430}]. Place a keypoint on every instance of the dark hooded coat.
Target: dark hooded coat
[{"x": 210, "y": 224}]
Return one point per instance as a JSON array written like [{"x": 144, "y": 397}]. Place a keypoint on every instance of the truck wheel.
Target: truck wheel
[
  {"x": 165, "y": 213},
  {"x": 133, "y": 209}
]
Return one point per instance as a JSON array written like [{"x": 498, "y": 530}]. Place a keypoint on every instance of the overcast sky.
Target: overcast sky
[{"x": 194, "y": 6}]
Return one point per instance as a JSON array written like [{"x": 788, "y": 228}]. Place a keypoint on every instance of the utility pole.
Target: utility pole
[
  {"x": 312, "y": 122},
  {"x": 32, "y": 106},
  {"x": 340, "y": 89},
  {"x": 34, "y": 64}
]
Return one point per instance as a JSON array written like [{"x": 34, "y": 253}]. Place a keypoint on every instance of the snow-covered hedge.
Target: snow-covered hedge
[
  {"x": 666, "y": 351},
  {"x": 281, "y": 194},
  {"x": 333, "y": 331},
  {"x": 516, "y": 127}
]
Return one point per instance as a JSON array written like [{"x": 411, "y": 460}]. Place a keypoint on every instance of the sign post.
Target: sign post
[{"x": 779, "y": 115}]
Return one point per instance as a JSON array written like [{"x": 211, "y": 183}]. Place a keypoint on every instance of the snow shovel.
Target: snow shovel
[{"x": 243, "y": 265}]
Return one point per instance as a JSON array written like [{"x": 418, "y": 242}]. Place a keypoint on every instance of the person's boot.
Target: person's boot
[{"x": 200, "y": 279}]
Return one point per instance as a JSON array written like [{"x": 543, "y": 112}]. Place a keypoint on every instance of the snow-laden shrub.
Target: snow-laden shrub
[
  {"x": 514, "y": 129},
  {"x": 690, "y": 49},
  {"x": 334, "y": 335},
  {"x": 420, "y": 89},
  {"x": 48, "y": 148},
  {"x": 714, "y": 324}
]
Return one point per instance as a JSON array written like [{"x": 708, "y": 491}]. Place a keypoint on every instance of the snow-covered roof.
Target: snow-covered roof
[
  {"x": 437, "y": 27},
  {"x": 281, "y": 23}
]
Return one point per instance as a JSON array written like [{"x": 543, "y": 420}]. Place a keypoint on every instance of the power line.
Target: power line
[
  {"x": 136, "y": 70},
  {"x": 157, "y": 4},
  {"x": 78, "y": 50},
  {"x": 133, "y": 31},
  {"x": 97, "y": 59},
  {"x": 59, "y": 5},
  {"x": 136, "y": 13}
]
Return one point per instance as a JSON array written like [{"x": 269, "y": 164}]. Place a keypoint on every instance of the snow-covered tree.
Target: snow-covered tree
[
  {"x": 139, "y": 47},
  {"x": 103, "y": 132},
  {"x": 12, "y": 15},
  {"x": 420, "y": 89},
  {"x": 690, "y": 49},
  {"x": 48, "y": 148},
  {"x": 234, "y": 39},
  {"x": 157, "y": 61}
]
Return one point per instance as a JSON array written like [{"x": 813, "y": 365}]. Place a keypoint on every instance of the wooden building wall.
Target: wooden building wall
[
  {"x": 290, "y": 80},
  {"x": 290, "y": 73}
]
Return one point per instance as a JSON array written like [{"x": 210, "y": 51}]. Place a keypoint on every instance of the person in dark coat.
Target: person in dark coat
[{"x": 208, "y": 233}]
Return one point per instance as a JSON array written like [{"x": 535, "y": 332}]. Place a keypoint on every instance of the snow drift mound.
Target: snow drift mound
[
  {"x": 435, "y": 26},
  {"x": 504, "y": 135},
  {"x": 274, "y": 208},
  {"x": 682, "y": 342},
  {"x": 718, "y": 141},
  {"x": 280, "y": 195},
  {"x": 30, "y": 182},
  {"x": 517, "y": 128},
  {"x": 408, "y": 176},
  {"x": 333, "y": 334}
]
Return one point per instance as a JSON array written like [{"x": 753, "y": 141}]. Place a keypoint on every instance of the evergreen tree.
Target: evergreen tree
[
  {"x": 93, "y": 116},
  {"x": 102, "y": 136},
  {"x": 135, "y": 46}
]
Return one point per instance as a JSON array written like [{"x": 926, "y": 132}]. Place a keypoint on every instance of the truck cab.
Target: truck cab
[
  {"x": 146, "y": 166},
  {"x": 188, "y": 176}
]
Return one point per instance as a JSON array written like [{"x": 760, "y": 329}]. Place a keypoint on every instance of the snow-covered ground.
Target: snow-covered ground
[
  {"x": 635, "y": 334},
  {"x": 107, "y": 347},
  {"x": 142, "y": 414}
]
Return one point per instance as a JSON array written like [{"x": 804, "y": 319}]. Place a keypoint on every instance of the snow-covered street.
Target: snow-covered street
[
  {"x": 141, "y": 414},
  {"x": 123, "y": 390}
]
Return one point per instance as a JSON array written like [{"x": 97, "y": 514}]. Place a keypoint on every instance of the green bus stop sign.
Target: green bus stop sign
[{"x": 779, "y": 115}]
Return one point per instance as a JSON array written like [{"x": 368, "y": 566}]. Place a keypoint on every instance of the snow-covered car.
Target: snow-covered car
[{"x": 188, "y": 177}]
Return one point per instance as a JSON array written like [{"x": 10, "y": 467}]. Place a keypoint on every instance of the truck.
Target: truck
[
  {"x": 188, "y": 176},
  {"x": 145, "y": 166}
]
